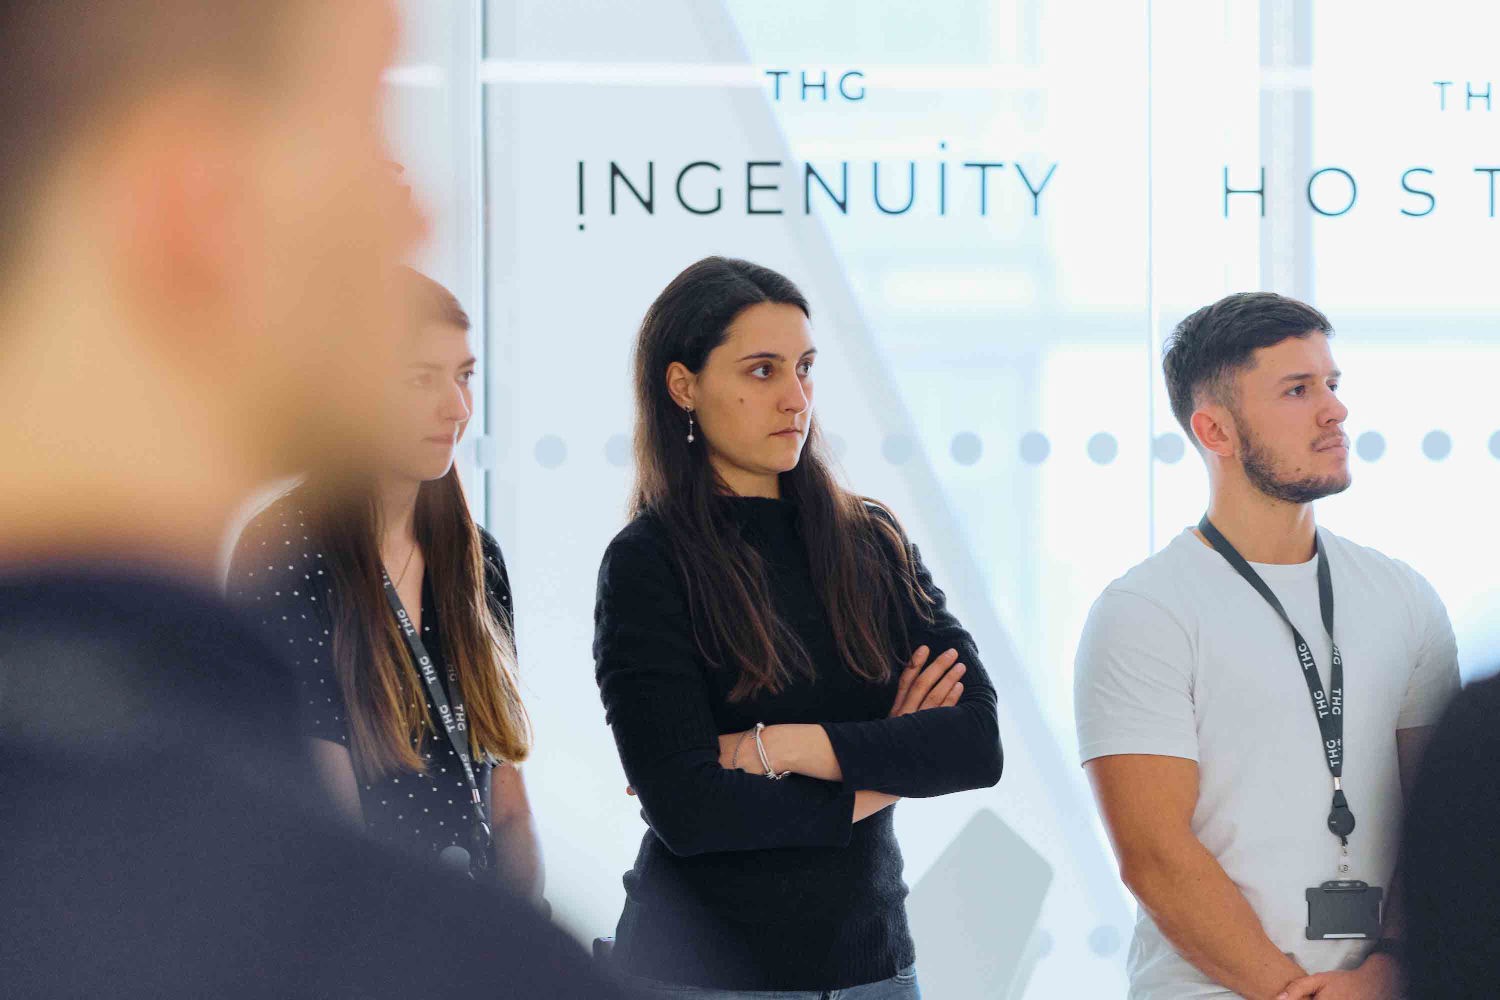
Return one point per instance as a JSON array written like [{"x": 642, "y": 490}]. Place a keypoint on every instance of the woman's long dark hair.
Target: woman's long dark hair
[
  {"x": 385, "y": 698},
  {"x": 861, "y": 563}
]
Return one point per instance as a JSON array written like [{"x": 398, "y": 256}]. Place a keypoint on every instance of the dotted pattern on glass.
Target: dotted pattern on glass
[
  {"x": 1035, "y": 448},
  {"x": 617, "y": 451},
  {"x": 551, "y": 452},
  {"x": 1168, "y": 448},
  {"x": 1104, "y": 940},
  {"x": 897, "y": 449},
  {"x": 966, "y": 448},
  {"x": 1370, "y": 446},
  {"x": 1103, "y": 448}
]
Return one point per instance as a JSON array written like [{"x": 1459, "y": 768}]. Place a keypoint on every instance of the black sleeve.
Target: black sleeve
[
  {"x": 935, "y": 751},
  {"x": 657, "y": 702},
  {"x": 278, "y": 578}
]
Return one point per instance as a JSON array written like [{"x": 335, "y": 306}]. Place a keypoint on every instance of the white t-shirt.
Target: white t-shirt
[{"x": 1182, "y": 658}]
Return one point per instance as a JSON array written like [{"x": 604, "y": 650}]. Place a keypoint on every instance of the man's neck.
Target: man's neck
[{"x": 1262, "y": 529}]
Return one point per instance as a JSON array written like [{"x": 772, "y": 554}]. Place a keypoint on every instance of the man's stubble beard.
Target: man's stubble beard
[{"x": 1259, "y": 466}]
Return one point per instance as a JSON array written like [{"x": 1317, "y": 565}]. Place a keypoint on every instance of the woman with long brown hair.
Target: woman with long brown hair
[
  {"x": 777, "y": 666},
  {"x": 395, "y": 610}
]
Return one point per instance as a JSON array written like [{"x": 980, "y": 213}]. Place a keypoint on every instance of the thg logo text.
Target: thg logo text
[{"x": 775, "y": 187}]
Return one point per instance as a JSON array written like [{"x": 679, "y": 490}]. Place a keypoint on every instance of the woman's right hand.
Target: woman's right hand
[{"x": 928, "y": 685}]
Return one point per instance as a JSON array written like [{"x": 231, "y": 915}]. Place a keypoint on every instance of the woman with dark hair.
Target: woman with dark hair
[
  {"x": 763, "y": 643},
  {"x": 395, "y": 610}
]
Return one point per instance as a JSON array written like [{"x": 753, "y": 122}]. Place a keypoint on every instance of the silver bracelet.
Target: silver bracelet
[
  {"x": 760, "y": 748},
  {"x": 734, "y": 758}
]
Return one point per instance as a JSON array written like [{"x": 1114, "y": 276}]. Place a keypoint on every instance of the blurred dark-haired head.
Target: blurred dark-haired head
[{"x": 199, "y": 192}]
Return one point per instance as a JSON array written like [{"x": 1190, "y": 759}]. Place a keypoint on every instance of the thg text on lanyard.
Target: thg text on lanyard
[
  {"x": 455, "y": 726},
  {"x": 1327, "y": 706}
]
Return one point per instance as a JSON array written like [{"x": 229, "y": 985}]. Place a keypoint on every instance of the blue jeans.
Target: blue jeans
[{"x": 901, "y": 986}]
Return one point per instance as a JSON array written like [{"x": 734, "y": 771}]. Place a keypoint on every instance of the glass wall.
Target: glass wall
[
  {"x": 998, "y": 208},
  {"x": 435, "y": 122}
]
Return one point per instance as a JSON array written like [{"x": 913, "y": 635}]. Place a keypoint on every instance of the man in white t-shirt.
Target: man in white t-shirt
[{"x": 1196, "y": 717}]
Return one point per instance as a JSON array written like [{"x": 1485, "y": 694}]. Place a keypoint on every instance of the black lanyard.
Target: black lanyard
[
  {"x": 454, "y": 725},
  {"x": 1329, "y": 707}
]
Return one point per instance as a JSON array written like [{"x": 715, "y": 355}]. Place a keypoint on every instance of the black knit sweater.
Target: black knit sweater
[{"x": 742, "y": 882}]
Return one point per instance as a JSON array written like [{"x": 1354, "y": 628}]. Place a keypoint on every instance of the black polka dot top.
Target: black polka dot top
[{"x": 278, "y": 574}]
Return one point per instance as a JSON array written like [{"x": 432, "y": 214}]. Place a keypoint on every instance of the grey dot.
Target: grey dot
[
  {"x": 966, "y": 447},
  {"x": 1104, "y": 940},
  {"x": 1044, "y": 943},
  {"x": 837, "y": 446},
  {"x": 1370, "y": 446},
  {"x": 1495, "y": 444},
  {"x": 1436, "y": 445},
  {"x": 617, "y": 451},
  {"x": 1035, "y": 448},
  {"x": 551, "y": 452},
  {"x": 1168, "y": 448},
  {"x": 1103, "y": 448},
  {"x": 897, "y": 449}
]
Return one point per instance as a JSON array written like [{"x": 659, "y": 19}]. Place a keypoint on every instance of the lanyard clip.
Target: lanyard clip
[{"x": 1340, "y": 818}]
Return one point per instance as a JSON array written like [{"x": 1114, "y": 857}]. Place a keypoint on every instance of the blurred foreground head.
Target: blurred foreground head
[{"x": 201, "y": 221}]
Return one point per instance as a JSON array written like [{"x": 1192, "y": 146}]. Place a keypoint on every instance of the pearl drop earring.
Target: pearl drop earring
[{"x": 690, "y": 426}]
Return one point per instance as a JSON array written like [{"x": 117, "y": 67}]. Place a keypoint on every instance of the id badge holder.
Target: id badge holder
[{"x": 1342, "y": 910}]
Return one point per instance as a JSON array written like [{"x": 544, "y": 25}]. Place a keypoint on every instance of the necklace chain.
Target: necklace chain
[{"x": 406, "y": 565}]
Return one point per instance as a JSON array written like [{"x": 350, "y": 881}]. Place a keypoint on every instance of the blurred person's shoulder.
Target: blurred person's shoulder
[
  {"x": 1483, "y": 697},
  {"x": 236, "y": 892},
  {"x": 1452, "y": 917},
  {"x": 113, "y": 658},
  {"x": 1471, "y": 726}
]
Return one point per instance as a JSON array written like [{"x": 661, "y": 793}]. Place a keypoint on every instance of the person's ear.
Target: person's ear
[
  {"x": 682, "y": 385},
  {"x": 1213, "y": 426},
  {"x": 181, "y": 173}
]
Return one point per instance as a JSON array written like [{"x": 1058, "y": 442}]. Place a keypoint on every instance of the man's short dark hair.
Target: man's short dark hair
[
  {"x": 1211, "y": 345},
  {"x": 68, "y": 63}
]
